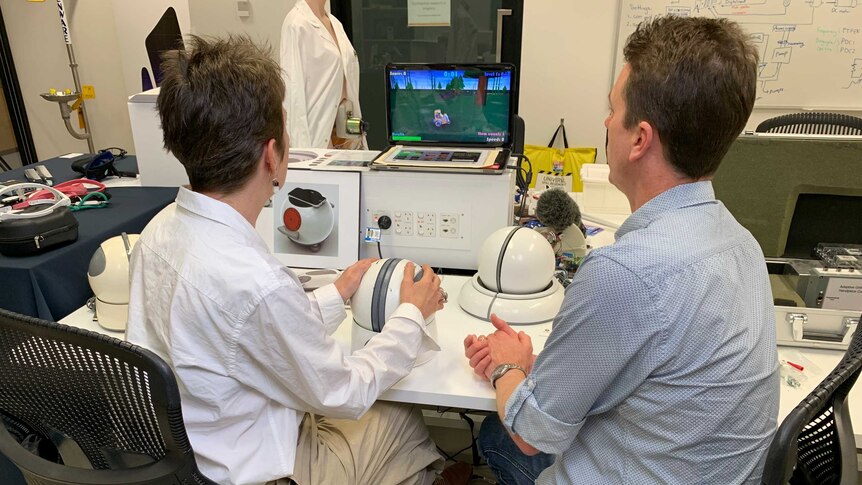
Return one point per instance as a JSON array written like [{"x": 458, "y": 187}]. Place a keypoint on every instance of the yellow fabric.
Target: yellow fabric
[{"x": 562, "y": 161}]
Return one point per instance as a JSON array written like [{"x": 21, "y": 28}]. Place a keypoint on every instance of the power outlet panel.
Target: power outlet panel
[
  {"x": 440, "y": 219},
  {"x": 422, "y": 225}
]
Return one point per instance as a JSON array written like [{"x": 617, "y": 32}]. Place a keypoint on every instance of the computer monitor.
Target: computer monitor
[{"x": 450, "y": 104}]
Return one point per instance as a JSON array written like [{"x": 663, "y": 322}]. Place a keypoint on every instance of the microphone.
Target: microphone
[{"x": 555, "y": 209}]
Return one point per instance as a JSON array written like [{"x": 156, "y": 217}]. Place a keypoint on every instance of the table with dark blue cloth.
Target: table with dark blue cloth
[{"x": 53, "y": 284}]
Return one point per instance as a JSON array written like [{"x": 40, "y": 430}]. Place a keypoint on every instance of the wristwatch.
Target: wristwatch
[{"x": 501, "y": 370}]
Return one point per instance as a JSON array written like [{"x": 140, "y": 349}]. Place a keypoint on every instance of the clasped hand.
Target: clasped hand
[{"x": 505, "y": 346}]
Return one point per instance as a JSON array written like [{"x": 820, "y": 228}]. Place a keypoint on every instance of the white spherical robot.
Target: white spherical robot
[
  {"x": 377, "y": 297},
  {"x": 515, "y": 279},
  {"x": 108, "y": 275},
  {"x": 516, "y": 260}
]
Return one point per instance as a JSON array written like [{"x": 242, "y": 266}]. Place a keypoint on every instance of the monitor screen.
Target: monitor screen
[{"x": 459, "y": 105}]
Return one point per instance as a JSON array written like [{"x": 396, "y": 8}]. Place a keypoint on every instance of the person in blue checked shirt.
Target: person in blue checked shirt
[{"x": 662, "y": 364}]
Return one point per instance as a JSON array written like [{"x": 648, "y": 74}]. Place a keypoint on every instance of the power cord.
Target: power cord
[
  {"x": 473, "y": 446},
  {"x": 383, "y": 223},
  {"x": 491, "y": 306},
  {"x": 121, "y": 153},
  {"x": 523, "y": 178}
]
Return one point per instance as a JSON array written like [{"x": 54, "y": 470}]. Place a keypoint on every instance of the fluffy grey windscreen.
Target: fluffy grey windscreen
[{"x": 555, "y": 209}]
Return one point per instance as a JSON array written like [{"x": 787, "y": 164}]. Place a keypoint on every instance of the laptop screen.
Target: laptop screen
[{"x": 449, "y": 104}]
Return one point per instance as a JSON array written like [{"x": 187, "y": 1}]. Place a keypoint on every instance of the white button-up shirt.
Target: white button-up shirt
[
  {"x": 251, "y": 352},
  {"x": 317, "y": 73}
]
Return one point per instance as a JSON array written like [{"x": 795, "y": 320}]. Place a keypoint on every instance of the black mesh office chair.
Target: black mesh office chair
[
  {"x": 106, "y": 411},
  {"x": 812, "y": 123},
  {"x": 815, "y": 442}
]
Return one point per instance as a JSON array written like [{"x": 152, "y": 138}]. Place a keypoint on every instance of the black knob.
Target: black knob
[{"x": 384, "y": 222}]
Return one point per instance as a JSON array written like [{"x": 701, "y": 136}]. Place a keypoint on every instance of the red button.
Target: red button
[{"x": 292, "y": 219}]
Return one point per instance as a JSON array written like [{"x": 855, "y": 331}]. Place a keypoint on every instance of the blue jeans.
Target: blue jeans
[{"x": 509, "y": 464}]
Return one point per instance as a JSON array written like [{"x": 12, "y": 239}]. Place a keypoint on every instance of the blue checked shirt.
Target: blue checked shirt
[{"x": 662, "y": 364}]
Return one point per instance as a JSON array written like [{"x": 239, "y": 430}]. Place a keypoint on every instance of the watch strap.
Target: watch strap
[{"x": 501, "y": 370}]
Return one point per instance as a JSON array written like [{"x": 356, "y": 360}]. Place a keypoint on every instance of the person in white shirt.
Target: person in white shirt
[
  {"x": 254, "y": 357},
  {"x": 321, "y": 70}
]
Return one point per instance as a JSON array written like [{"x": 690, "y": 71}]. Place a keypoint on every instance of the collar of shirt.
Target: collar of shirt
[
  {"x": 216, "y": 210},
  {"x": 684, "y": 195},
  {"x": 315, "y": 21}
]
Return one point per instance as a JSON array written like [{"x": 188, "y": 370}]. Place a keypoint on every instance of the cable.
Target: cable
[
  {"x": 523, "y": 178},
  {"x": 474, "y": 447},
  {"x": 491, "y": 306},
  {"x": 383, "y": 223},
  {"x": 122, "y": 153},
  {"x": 83, "y": 205},
  {"x": 453, "y": 455}
]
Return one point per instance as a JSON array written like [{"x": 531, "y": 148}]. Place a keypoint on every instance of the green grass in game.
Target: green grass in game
[{"x": 413, "y": 113}]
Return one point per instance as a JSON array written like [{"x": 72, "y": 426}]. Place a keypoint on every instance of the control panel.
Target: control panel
[
  {"x": 419, "y": 224},
  {"x": 440, "y": 219}
]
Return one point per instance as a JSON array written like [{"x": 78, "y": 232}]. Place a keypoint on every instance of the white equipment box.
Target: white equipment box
[
  {"x": 156, "y": 166},
  {"x": 439, "y": 219}
]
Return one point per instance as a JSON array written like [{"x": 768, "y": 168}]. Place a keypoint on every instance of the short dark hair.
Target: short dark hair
[
  {"x": 220, "y": 103},
  {"x": 694, "y": 80}
]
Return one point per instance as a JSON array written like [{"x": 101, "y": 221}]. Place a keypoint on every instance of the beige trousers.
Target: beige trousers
[{"x": 388, "y": 445}]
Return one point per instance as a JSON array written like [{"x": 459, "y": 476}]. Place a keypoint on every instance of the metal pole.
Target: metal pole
[
  {"x": 74, "y": 66},
  {"x": 501, "y": 12}
]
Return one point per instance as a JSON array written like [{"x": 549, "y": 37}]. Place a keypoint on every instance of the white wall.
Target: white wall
[
  {"x": 218, "y": 17},
  {"x": 566, "y": 71},
  {"x": 41, "y": 61},
  {"x": 567, "y": 64}
]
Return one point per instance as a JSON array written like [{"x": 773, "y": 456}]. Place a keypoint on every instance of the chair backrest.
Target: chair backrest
[
  {"x": 815, "y": 442},
  {"x": 112, "y": 409},
  {"x": 812, "y": 123}
]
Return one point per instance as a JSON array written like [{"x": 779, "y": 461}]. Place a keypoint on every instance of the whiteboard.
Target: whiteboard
[{"x": 810, "y": 50}]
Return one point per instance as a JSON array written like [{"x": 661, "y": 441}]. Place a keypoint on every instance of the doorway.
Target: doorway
[{"x": 478, "y": 31}]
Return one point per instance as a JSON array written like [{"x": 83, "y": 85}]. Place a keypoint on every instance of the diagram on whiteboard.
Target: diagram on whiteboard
[{"x": 810, "y": 50}]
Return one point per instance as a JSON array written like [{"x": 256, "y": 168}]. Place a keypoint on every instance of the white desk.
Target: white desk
[{"x": 448, "y": 381}]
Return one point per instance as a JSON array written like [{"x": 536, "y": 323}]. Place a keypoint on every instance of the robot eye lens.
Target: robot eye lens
[{"x": 292, "y": 219}]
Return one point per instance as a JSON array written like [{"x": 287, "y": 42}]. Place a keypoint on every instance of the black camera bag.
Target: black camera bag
[{"x": 26, "y": 236}]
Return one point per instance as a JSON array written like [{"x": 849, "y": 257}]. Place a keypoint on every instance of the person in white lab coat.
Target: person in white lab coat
[
  {"x": 268, "y": 394},
  {"x": 320, "y": 70}
]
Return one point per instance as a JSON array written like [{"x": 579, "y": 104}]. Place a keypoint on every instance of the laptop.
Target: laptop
[{"x": 448, "y": 117}]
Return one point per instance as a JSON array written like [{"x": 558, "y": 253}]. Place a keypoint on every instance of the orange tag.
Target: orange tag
[{"x": 81, "y": 120}]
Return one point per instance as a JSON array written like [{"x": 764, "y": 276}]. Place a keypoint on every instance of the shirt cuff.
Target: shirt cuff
[
  {"x": 539, "y": 429},
  {"x": 409, "y": 311},
  {"x": 331, "y": 306}
]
